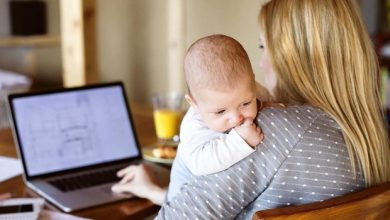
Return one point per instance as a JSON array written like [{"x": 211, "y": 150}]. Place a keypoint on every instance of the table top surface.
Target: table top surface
[{"x": 134, "y": 208}]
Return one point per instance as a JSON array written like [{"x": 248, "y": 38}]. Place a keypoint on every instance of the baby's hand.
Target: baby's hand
[{"x": 250, "y": 132}]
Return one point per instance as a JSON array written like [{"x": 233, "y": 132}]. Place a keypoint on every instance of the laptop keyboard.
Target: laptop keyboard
[{"x": 86, "y": 180}]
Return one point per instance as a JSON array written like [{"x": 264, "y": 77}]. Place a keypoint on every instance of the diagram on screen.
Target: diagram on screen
[
  {"x": 74, "y": 129},
  {"x": 70, "y": 130}
]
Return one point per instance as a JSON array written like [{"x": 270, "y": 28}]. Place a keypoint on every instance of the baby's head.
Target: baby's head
[{"x": 221, "y": 83}]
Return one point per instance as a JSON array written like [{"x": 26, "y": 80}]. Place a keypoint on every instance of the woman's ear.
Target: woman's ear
[{"x": 191, "y": 101}]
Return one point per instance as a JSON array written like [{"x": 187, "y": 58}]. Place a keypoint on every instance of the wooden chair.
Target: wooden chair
[{"x": 371, "y": 203}]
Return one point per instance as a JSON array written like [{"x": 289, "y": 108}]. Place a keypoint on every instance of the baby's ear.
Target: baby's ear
[{"x": 191, "y": 101}]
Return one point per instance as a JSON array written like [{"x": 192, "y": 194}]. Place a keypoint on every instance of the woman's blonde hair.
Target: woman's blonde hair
[{"x": 323, "y": 56}]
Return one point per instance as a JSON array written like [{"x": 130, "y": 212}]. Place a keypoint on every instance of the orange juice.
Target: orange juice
[{"x": 167, "y": 123}]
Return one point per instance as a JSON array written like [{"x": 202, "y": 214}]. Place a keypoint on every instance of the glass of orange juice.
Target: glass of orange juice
[{"x": 168, "y": 110}]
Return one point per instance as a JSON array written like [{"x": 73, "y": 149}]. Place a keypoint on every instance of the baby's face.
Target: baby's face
[{"x": 222, "y": 111}]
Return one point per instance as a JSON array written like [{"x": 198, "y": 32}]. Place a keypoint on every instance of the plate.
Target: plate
[{"x": 148, "y": 155}]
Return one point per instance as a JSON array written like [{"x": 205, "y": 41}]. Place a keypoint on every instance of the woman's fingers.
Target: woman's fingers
[
  {"x": 127, "y": 178},
  {"x": 120, "y": 188},
  {"x": 122, "y": 172},
  {"x": 126, "y": 170}
]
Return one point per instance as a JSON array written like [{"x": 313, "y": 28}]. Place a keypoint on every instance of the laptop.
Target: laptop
[{"x": 73, "y": 141}]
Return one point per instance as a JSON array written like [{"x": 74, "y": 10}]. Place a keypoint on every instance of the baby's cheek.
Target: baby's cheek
[
  {"x": 253, "y": 112},
  {"x": 220, "y": 126}
]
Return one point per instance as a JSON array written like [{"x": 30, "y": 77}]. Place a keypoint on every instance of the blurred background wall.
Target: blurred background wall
[{"x": 133, "y": 43}]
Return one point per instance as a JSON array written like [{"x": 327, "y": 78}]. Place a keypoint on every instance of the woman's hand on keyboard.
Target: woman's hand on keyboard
[{"x": 137, "y": 180}]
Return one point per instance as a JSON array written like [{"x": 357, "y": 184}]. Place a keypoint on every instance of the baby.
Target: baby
[{"x": 218, "y": 130}]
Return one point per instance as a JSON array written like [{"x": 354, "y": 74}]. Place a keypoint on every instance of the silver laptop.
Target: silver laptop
[{"x": 73, "y": 141}]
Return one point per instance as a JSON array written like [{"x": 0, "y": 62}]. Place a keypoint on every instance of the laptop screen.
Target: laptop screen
[{"x": 73, "y": 128}]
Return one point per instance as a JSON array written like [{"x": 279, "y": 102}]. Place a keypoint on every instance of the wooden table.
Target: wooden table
[{"x": 134, "y": 208}]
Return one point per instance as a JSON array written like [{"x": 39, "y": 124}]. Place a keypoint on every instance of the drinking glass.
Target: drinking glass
[{"x": 168, "y": 110}]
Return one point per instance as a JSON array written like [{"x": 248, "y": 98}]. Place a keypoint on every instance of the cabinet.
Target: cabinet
[
  {"x": 77, "y": 41},
  {"x": 33, "y": 41},
  {"x": 21, "y": 54}
]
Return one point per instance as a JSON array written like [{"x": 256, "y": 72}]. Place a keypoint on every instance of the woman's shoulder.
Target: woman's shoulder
[
  {"x": 304, "y": 113},
  {"x": 295, "y": 120},
  {"x": 293, "y": 110}
]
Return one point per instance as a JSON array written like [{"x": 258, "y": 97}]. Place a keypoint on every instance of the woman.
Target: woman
[
  {"x": 331, "y": 64},
  {"x": 331, "y": 138}
]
